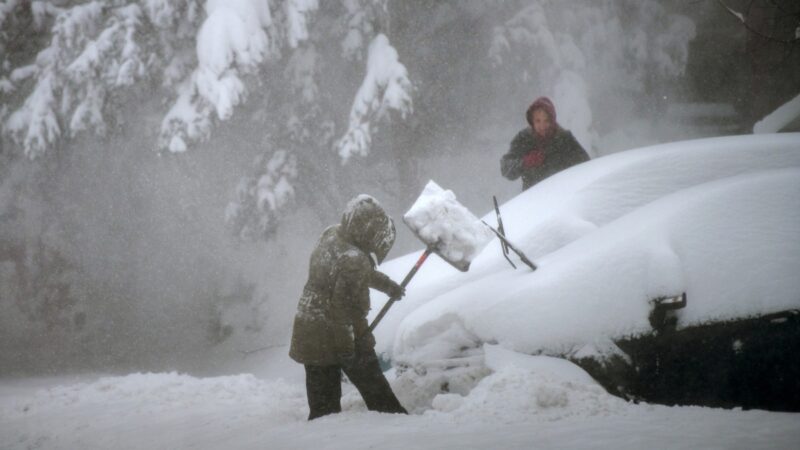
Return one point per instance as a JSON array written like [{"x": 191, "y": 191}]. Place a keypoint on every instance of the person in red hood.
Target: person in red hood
[{"x": 541, "y": 149}]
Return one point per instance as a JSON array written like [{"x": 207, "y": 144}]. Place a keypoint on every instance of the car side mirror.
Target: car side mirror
[{"x": 662, "y": 317}]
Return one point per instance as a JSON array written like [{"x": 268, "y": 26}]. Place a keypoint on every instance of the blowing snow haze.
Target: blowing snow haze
[{"x": 165, "y": 166}]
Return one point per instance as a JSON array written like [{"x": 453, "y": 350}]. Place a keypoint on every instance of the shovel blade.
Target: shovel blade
[{"x": 447, "y": 227}]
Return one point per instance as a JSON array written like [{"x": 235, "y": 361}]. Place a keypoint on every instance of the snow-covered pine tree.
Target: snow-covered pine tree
[
  {"x": 69, "y": 73},
  {"x": 207, "y": 57},
  {"x": 307, "y": 135}
]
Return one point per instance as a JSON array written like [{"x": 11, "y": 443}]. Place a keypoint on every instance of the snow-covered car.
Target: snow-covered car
[{"x": 670, "y": 273}]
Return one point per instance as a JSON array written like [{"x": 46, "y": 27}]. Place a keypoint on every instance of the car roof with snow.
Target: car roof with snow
[{"x": 716, "y": 219}]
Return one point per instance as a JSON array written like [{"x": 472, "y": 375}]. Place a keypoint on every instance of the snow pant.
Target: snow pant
[{"x": 324, "y": 386}]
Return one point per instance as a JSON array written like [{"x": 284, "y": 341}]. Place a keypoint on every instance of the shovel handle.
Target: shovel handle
[{"x": 405, "y": 282}]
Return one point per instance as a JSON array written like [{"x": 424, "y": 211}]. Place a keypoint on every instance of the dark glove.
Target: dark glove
[
  {"x": 385, "y": 284},
  {"x": 395, "y": 291},
  {"x": 534, "y": 158}
]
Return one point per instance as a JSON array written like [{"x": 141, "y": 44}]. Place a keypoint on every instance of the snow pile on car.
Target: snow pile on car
[
  {"x": 523, "y": 387},
  {"x": 716, "y": 219}
]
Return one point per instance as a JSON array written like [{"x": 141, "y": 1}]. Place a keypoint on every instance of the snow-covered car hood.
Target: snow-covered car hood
[{"x": 715, "y": 218}]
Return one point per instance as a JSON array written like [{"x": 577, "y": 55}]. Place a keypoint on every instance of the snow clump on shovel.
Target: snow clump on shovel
[{"x": 442, "y": 223}]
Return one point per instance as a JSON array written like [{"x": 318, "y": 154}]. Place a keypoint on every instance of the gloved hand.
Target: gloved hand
[
  {"x": 534, "y": 158},
  {"x": 395, "y": 291}
]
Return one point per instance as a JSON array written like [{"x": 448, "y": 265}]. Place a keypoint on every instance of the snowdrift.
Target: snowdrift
[{"x": 526, "y": 401}]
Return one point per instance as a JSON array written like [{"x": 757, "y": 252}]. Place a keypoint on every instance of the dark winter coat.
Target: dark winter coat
[
  {"x": 560, "y": 152},
  {"x": 332, "y": 311}
]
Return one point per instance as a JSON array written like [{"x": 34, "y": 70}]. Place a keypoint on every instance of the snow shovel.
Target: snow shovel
[{"x": 447, "y": 228}]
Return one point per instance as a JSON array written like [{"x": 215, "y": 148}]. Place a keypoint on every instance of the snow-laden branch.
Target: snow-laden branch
[
  {"x": 300, "y": 70},
  {"x": 35, "y": 124},
  {"x": 114, "y": 53},
  {"x": 529, "y": 27},
  {"x": 362, "y": 21},
  {"x": 231, "y": 43},
  {"x": 202, "y": 51},
  {"x": 92, "y": 50},
  {"x": 297, "y": 14},
  {"x": 385, "y": 88},
  {"x": 205, "y": 53},
  {"x": 260, "y": 199}
]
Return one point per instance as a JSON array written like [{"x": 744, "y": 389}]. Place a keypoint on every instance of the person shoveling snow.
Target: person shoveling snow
[
  {"x": 447, "y": 228},
  {"x": 330, "y": 332}
]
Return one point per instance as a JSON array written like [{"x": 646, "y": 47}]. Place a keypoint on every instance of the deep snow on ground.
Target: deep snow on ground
[{"x": 526, "y": 402}]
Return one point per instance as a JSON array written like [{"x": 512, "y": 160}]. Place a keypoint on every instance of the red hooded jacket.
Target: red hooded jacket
[{"x": 535, "y": 157}]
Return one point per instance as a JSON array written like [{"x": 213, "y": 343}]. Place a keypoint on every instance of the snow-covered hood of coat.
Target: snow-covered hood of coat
[{"x": 367, "y": 226}]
